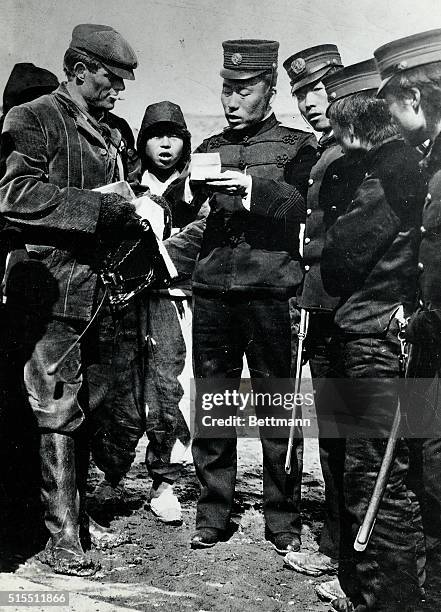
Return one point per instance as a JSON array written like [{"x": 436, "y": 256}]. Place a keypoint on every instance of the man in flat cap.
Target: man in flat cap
[
  {"x": 411, "y": 71},
  {"x": 247, "y": 270},
  {"x": 55, "y": 151},
  {"x": 328, "y": 195},
  {"x": 369, "y": 262}
]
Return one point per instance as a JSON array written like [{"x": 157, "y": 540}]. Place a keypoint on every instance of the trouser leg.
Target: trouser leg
[
  {"x": 384, "y": 576},
  {"x": 115, "y": 376},
  {"x": 218, "y": 350},
  {"x": 323, "y": 366},
  {"x": 269, "y": 351},
  {"x": 166, "y": 360}
]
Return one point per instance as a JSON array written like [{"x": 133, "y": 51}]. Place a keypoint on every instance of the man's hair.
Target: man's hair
[
  {"x": 72, "y": 57},
  {"x": 427, "y": 79},
  {"x": 369, "y": 116}
]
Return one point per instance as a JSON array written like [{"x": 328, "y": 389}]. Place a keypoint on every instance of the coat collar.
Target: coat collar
[
  {"x": 253, "y": 130},
  {"x": 97, "y": 129}
]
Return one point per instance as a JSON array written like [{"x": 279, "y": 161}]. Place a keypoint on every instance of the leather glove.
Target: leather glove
[
  {"x": 118, "y": 219},
  {"x": 424, "y": 327}
]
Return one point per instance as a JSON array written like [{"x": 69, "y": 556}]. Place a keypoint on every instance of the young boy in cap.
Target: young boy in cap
[
  {"x": 164, "y": 146},
  {"x": 330, "y": 189},
  {"x": 247, "y": 270},
  {"x": 369, "y": 261},
  {"x": 56, "y": 150},
  {"x": 411, "y": 71}
]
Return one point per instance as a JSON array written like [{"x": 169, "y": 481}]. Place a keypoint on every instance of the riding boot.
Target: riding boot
[{"x": 63, "y": 552}]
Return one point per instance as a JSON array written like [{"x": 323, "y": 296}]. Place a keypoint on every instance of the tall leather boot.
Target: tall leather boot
[{"x": 63, "y": 552}]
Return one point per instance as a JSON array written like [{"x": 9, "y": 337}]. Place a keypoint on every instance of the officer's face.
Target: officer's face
[
  {"x": 313, "y": 102},
  {"x": 245, "y": 102},
  {"x": 409, "y": 117},
  {"x": 100, "y": 89},
  {"x": 164, "y": 150}
]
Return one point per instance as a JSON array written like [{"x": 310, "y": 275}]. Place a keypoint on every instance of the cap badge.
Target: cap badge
[
  {"x": 236, "y": 59},
  {"x": 402, "y": 65},
  {"x": 298, "y": 65}
]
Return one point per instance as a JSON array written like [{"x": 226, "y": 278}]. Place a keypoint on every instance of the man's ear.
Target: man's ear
[
  {"x": 79, "y": 71},
  {"x": 415, "y": 98},
  {"x": 351, "y": 131},
  {"x": 273, "y": 92}
]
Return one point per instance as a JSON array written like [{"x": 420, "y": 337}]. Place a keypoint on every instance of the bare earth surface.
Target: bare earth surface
[{"x": 159, "y": 571}]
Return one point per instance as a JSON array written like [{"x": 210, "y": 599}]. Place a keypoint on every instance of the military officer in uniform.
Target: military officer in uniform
[
  {"x": 411, "y": 71},
  {"x": 248, "y": 268},
  {"x": 327, "y": 196}
]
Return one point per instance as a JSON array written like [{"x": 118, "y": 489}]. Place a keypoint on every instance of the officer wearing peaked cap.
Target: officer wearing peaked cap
[
  {"x": 410, "y": 69},
  {"x": 247, "y": 270},
  {"x": 56, "y": 151},
  {"x": 331, "y": 185},
  {"x": 369, "y": 260}
]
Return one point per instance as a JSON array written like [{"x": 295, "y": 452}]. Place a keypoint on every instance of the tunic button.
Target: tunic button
[
  {"x": 422, "y": 229},
  {"x": 420, "y": 266},
  {"x": 308, "y": 211},
  {"x": 310, "y": 181},
  {"x": 428, "y": 198},
  {"x": 306, "y": 268},
  {"x": 307, "y": 240},
  {"x": 103, "y": 152},
  {"x": 335, "y": 177},
  {"x": 334, "y": 208},
  {"x": 318, "y": 154}
]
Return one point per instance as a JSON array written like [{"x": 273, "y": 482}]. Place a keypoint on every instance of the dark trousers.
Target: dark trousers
[
  {"x": 149, "y": 355},
  {"x": 384, "y": 576},
  {"x": 166, "y": 361},
  {"x": 423, "y": 418},
  {"x": 224, "y": 330},
  {"x": 116, "y": 384},
  {"x": 323, "y": 363}
]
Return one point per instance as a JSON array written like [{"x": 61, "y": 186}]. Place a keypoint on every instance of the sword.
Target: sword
[{"x": 303, "y": 330}]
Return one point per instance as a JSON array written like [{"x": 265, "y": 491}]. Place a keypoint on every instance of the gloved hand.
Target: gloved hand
[
  {"x": 424, "y": 327},
  {"x": 118, "y": 219}
]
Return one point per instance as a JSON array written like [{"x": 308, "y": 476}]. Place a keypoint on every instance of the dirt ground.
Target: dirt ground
[{"x": 158, "y": 570}]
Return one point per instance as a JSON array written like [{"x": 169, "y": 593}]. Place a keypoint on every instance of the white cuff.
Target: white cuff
[{"x": 246, "y": 199}]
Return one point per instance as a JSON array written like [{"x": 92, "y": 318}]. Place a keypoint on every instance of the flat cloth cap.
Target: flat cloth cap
[
  {"x": 106, "y": 45},
  {"x": 362, "y": 76},
  {"x": 310, "y": 65},
  {"x": 247, "y": 58},
  {"x": 408, "y": 52}
]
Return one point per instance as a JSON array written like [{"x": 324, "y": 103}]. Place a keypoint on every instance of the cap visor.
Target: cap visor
[
  {"x": 240, "y": 75},
  {"x": 383, "y": 84},
  {"x": 122, "y": 73},
  {"x": 310, "y": 78}
]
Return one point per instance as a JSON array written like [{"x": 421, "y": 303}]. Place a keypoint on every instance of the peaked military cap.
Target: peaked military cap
[
  {"x": 106, "y": 45},
  {"x": 352, "y": 79},
  {"x": 244, "y": 59},
  {"x": 312, "y": 64},
  {"x": 408, "y": 52}
]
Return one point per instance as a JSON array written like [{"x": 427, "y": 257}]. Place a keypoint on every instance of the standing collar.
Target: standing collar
[{"x": 267, "y": 123}]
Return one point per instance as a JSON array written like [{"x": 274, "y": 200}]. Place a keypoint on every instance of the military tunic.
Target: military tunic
[
  {"x": 257, "y": 250},
  {"x": 248, "y": 267}
]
